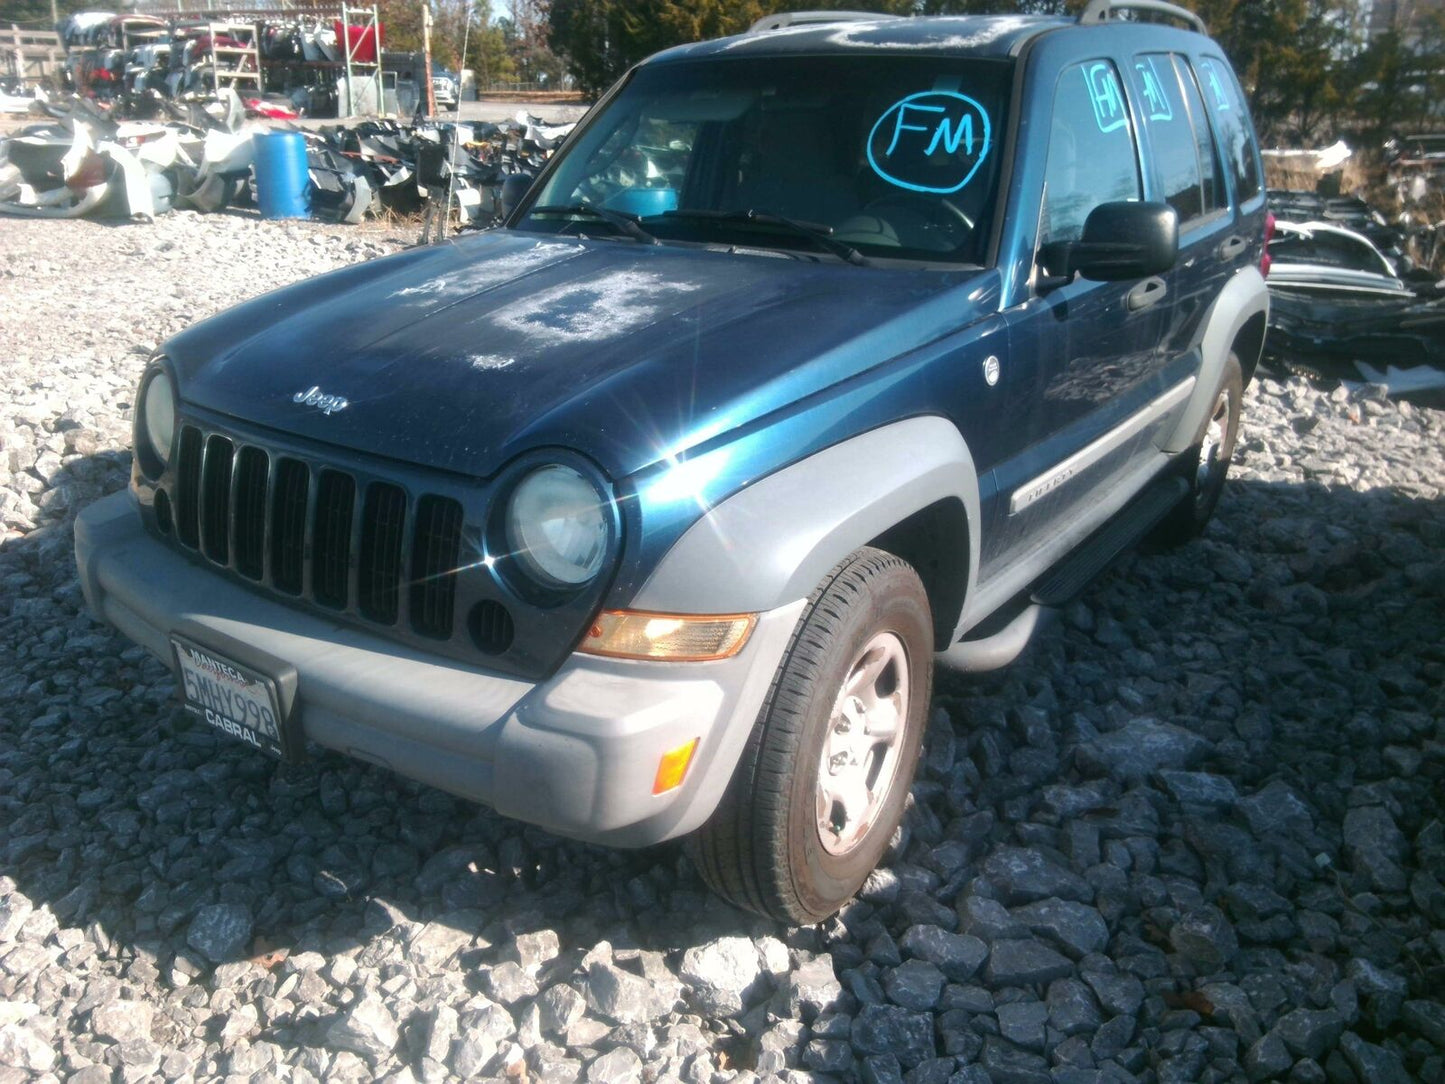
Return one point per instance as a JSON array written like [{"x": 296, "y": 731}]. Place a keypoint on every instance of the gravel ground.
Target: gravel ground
[{"x": 1195, "y": 835}]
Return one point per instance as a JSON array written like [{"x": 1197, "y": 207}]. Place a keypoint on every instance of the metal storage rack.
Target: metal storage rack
[
  {"x": 370, "y": 25},
  {"x": 246, "y": 66},
  {"x": 30, "y": 55},
  {"x": 234, "y": 64}
]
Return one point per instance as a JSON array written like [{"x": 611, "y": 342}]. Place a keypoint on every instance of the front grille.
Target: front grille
[
  {"x": 289, "y": 501},
  {"x": 252, "y": 469},
  {"x": 318, "y": 533},
  {"x": 331, "y": 549},
  {"x": 188, "y": 488},
  {"x": 438, "y": 543},
  {"x": 383, "y": 537},
  {"x": 215, "y": 499}
]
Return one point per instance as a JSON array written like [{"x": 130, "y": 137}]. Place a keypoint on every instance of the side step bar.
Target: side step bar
[
  {"x": 1064, "y": 582},
  {"x": 996, "y": 651}
]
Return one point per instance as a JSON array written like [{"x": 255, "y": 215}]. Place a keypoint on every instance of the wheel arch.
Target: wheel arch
[
  {"x": 924, "y": 540},
  {"x": 1249, "y": 345},
  {"x": 909, "y": 487},
  {"x": 1237, "y": 316}
]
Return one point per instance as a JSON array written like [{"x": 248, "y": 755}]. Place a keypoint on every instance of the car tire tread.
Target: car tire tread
[{"x": 742, "y": 851}]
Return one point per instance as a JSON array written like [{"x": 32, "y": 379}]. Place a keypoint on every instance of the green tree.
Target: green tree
[
  {"x": 485, "y": 43},
  {"x": 601, "y": 39},
  {"x": 1400, "y": 78},
  {"x": 1291, "y": 56}
]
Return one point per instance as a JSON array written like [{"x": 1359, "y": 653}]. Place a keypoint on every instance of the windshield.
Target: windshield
[{"x": 894, "y": 156}]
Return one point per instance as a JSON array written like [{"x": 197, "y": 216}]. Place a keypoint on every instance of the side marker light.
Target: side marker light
[{"x": 672, "y": 768}]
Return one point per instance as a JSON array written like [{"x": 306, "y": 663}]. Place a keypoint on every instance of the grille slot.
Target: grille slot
[
  {"x": 252, "y": 468},
  {"x": 216, "y": 499},
  {"x": 491, "y": 627},
  {"x": 188, "y": 488},
  {"x": 329, "y": 537},
  {"x": 288, "y": 531},
  {"x": 383, "y": 526},
  {"x": 331, "y": 545},
  {"x": 435, "y": 547}
]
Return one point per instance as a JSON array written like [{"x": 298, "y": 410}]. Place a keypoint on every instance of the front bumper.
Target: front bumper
[{"x": 575, "y": 754}]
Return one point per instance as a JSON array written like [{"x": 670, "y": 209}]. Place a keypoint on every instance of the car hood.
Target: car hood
[{"x": 461, "y": 356}]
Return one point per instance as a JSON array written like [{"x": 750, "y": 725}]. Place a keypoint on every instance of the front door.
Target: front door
[{"x": 1086, "y": 354}]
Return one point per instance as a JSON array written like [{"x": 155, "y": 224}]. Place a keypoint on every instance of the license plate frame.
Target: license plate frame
[{"x": 238, "y": 692}]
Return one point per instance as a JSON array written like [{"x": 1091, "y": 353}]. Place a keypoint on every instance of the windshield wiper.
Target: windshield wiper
[
  {"x": 625, "y": 223},
  {"x": 815, "y": 232}
]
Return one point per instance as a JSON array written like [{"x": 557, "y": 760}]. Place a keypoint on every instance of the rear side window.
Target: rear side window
[
  {"x": 1092, "y": 156},
  {"x": 1213, "y": 195},
  {"x": 1226, "y": 108},
  {"x": 1171, "y": 137}
]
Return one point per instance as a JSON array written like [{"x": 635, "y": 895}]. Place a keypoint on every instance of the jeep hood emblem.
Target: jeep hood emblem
[{"x": 327, "y": 404}]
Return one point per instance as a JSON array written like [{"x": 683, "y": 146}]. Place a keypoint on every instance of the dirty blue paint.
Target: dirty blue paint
[
  {"x": 1107, "y": 99},
  {"x": 924, "y": 123}
]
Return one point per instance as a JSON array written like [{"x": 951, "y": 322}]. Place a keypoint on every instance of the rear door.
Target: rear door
[
  {"x": 1185, "y": 171},
  {"x": 1230, "y": 123}
]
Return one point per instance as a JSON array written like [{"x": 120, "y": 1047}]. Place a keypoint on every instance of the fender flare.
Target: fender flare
[
  {"x": 1244, "y": 297},
  {"x": 773, "y": 542}
]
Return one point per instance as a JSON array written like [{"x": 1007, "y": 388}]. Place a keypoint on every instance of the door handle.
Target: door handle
[
  {"x": 1147, "y": 293},
  {"x": 1232, "y": 247}
]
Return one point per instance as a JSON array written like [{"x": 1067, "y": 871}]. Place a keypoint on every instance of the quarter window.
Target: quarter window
[
  {"x": 1213, "y": 194},
  {"x": 1226, "y": 109},
  {"x": 1092, "y": 155},
  {"x": 1171, "y": 138}
]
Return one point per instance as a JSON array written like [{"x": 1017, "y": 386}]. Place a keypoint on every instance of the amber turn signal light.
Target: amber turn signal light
[
  {"x": 625, "y": 634},
  {"x": 672, "y": 768}
]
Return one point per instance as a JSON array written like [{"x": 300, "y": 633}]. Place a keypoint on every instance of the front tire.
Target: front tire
[
  {"x": 823, "y": 780},
  {"x": 1207, "y": 464}
]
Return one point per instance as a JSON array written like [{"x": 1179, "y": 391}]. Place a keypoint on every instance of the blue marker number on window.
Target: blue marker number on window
[
  {"x": 1106, "y": 96},
  {"x": 932, "y": 141},
  {"x": 1155, "y": 96},
  {"x": 1216, "y": 87}
]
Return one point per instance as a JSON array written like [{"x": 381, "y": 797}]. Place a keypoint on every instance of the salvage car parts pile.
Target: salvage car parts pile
[
  {"x": 1339, "y": 303},
  {"x": 83, "y": 163}
]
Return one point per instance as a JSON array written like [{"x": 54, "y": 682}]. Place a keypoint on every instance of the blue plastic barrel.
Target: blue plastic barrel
[{"x": 281, "y": 174}]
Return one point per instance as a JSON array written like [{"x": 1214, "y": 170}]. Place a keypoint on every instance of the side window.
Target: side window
[
  {"x": 1092, "y": 155},
  {"x": 1171, "y": 139},
  {"x": 1226, "y": 108},
  {"x": 1213, "y": 195}
]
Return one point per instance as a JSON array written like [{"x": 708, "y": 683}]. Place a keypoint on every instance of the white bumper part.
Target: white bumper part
[{"x": 576, "y": 753}]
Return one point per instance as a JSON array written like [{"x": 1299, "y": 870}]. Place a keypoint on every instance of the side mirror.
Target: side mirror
[
  {"x": 514, "y": 188},
  {"x": 1125, "y": 241}
]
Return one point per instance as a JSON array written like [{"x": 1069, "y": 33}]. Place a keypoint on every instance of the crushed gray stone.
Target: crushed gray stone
[{"x": 1195, "y": 833}]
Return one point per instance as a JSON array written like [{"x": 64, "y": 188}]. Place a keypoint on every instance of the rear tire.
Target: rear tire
[
  {"x": 823, "y": 780},
  {"x": 1206, "y": 464}
]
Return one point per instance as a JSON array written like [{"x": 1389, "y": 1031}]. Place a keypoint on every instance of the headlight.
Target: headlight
[
  {"x": 157, "y": 420},
  {"x": 557, "y": 526}
]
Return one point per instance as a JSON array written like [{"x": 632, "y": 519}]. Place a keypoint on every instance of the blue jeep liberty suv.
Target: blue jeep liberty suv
[{"x": 816, "y": 355}]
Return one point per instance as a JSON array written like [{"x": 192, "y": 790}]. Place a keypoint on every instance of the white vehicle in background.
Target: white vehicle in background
[
  {"x": 445, "y": 88},
  {"x": 1321, "y": 258}
]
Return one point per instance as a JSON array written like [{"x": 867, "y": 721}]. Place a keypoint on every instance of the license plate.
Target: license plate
[{"x": 240, "y": 702}]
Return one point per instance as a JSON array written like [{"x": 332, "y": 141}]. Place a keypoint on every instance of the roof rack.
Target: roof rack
[
  {"x": 1098, "y": 11},
  {"x": 807, "y": 18}
]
